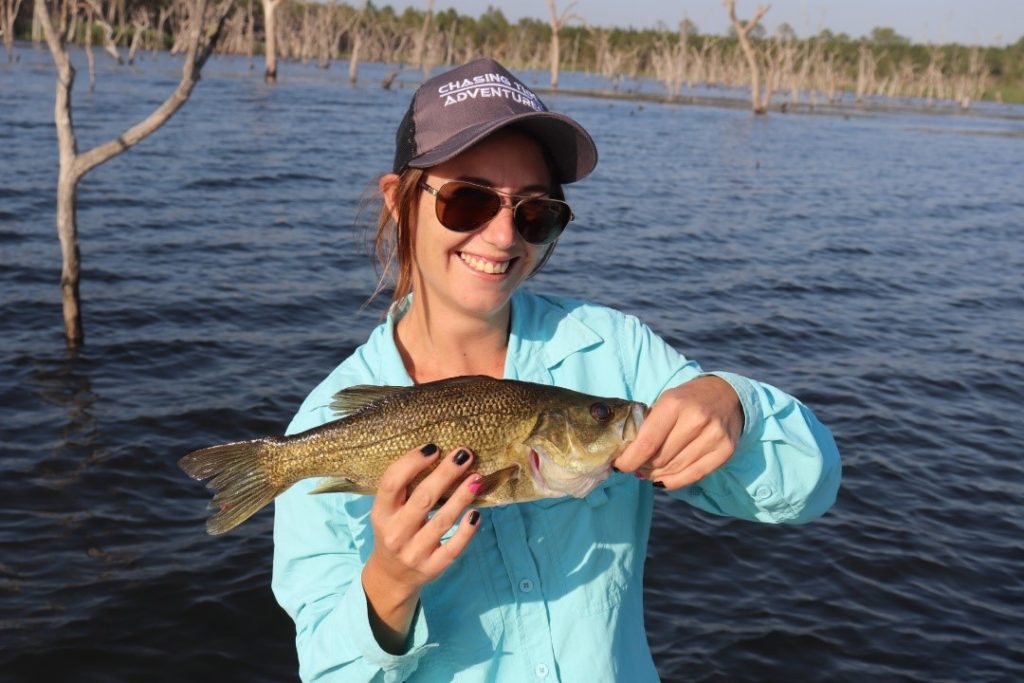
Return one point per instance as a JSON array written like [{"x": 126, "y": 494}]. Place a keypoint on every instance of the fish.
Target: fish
[{"x": 530, "y": 441}]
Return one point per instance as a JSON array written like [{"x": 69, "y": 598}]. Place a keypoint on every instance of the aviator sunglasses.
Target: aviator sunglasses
[{"x": 463, "y": 207}]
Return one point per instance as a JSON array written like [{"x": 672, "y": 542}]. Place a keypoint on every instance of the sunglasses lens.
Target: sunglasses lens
[
  {"x": 541, "y": 221},
  {"x": 464, "y": 208}
]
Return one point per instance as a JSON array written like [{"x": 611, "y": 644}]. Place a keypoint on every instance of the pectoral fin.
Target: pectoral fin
[
  {"x": 495, "y": 481},
  {"x": 341, "y": 485}
]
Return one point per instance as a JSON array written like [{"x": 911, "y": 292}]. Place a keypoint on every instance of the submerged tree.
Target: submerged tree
[
  {"x": 202, "y": 36},
  {"x": 558, "y": 22},
  {"x": 759, "y": 100},
  {"x": 270, "y": 37},
  {"x": 8, "y": 15}
]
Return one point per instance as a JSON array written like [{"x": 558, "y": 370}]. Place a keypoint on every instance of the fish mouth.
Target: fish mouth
[{"x": 577, "y": 487}]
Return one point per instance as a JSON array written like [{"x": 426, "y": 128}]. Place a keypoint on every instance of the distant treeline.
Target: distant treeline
[{"x": 822, "y": 66}]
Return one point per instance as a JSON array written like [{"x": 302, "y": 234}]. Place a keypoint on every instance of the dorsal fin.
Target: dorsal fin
[{"x": 353, "y": 399}]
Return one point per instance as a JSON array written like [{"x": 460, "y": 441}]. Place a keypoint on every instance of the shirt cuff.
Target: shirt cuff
[
  {"x": 354, "y": 611},
  {"x": 752, "y": 413}
]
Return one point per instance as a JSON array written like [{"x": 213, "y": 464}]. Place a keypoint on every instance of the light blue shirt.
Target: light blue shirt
[{"x": 549, "y": 590}]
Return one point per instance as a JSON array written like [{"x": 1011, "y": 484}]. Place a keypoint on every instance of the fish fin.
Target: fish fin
[
  {"x": 550, "y": 432},
  {"x": 495, "y": 480},
  {"x": 238, "y": 475},
  {"x": 341, "y": 485},
  {"x": 353, "y": 399}
]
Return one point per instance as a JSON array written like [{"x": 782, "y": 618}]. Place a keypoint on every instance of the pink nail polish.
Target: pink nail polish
[{"x": 476, "y": 485}]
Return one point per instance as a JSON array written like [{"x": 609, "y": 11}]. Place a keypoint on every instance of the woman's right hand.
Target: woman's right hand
[{"x": 407, "y": 552}]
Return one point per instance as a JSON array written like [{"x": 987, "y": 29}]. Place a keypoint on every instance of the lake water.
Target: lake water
[{"x": 873, "y": 265}]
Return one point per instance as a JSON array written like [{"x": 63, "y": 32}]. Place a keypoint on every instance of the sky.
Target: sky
[{"x": 984, "y": 22}]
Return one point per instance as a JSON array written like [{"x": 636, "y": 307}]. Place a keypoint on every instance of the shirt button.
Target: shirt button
[
  {"x": 526, "y": 586},
  {"x": 762, "y": 492},
  {"x": 541, "y": 670}
]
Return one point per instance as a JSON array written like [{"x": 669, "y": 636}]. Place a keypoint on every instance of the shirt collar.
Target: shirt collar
[{"x": 543, "y": 334}]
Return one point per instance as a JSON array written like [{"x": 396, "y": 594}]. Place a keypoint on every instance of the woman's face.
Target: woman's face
[{"x": 475, "y": 273}]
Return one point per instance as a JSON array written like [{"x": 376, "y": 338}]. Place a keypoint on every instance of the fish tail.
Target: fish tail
[{"x": 239, "y": 476}]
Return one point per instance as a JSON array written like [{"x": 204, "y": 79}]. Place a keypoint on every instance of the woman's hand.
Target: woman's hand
[
  {"x": 690, "y": 431},
  {"x": 407, "y": 552}
]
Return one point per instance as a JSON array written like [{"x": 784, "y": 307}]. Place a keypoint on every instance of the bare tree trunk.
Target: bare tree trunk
[
  {"x": 421, "y": 41},
  {"x": 8, "y": 14},
  {"x": 140, "y": 23},
  {"x": 558, "y": 22},
  {"x": 250, "y": 34},
  {"x": 90, "y": 58},
  {"x": 270, "y": 29},
  {"x": 73, "y": 166},
  {"x": 357, "y": 43},
  {"x": 742, "y": 34},
  {"x": 109, "y": 43}
]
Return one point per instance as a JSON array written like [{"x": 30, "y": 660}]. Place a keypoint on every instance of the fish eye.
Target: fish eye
[{"x": 600, "y": 412}]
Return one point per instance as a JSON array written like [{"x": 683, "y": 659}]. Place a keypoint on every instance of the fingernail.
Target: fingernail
[
  {"x": 615, "y": 469},
  {"x": 659, "y": 484},
  {"x": 477, "y": 484},
  {"x": 429, "y": 449},
  {"x": 462, "y": 457},
  {"x": 640, "y": 475},
  {"x": 474, "y": 517}
]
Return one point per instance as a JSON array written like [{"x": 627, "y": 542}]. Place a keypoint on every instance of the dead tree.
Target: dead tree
[
  {"x": 109, "y": 41},
  {"x": 356, "y": 38},
  {"x": 270, "y": 29},
  {"x": 140, "y": 22},
  {"x": 8, "y": 14},
  {"x": 867, "y": 67},
  {"x": 420, "y": 47},
  {"x": 758, "y": 100},
  {"x": 558, "y": 22},
  {"x": 669, "y": 59},
  {"x": 74, "y": 165}
]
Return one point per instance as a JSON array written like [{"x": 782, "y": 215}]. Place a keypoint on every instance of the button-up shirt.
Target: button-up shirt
[{"x": 552, "y": 589}]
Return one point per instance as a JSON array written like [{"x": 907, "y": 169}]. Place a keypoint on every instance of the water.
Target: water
[{"x": 871, "y": 265}]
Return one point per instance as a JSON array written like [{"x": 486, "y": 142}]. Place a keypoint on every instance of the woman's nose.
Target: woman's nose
[{"x": 501, "y": 230}]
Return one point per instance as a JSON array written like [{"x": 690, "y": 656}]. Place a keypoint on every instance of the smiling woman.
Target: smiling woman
[{"x": 380, "y": 587}]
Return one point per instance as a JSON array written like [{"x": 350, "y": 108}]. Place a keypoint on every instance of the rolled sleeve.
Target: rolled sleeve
[{"x": 786, "y": 467}]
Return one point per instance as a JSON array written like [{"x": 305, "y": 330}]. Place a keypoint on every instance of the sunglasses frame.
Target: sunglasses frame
[{"x": 436, "y": 192}]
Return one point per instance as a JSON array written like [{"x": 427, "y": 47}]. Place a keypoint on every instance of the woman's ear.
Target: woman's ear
[{"x": 388, "y": 185}]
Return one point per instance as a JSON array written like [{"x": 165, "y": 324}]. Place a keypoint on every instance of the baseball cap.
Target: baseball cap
[{"x": 453, "y": 111}]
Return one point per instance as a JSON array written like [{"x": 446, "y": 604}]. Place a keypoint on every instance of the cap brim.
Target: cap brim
[{"x": 572, "y": 150}]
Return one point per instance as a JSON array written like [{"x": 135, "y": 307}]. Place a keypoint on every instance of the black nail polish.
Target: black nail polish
[
  {"x": 462, "y": 457},
  {"x": 474, "y": 517},
  {"x": 429, "y": 449},
  {"x": 659, "y": 484},
  {"x": 615, "y": 469}
]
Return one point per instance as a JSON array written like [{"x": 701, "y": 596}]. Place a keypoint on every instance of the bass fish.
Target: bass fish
[{"x": 531, "y": 441}]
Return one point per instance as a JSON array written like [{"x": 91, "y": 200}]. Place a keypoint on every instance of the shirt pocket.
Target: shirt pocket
[
  {"x": 463, "y": 613},
  {"x": 589, "y": 545}
]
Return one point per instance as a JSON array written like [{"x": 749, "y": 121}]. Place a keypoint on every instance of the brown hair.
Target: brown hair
[{"x": 392, "y": 241}]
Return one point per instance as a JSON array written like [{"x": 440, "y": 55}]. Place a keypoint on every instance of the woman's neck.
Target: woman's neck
[{"x": 435, "y": 346}]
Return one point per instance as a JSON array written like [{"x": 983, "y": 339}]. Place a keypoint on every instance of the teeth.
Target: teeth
[{"x": 483, "y": 265}]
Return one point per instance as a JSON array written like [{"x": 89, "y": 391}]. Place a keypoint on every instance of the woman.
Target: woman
[{"x": 550, "y": 590}]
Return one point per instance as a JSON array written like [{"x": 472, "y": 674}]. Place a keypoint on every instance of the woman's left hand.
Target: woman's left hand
[{"x": 690, "y": 431}]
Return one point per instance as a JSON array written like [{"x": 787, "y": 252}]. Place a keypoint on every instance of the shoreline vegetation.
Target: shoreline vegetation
[{"x": 881, "y": 71}]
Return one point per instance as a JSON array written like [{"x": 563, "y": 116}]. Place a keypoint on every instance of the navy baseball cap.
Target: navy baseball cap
[{"x": 453, "y": 111}]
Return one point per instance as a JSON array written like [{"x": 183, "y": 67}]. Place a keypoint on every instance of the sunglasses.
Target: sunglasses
[{"x": 463, "y": 207}]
